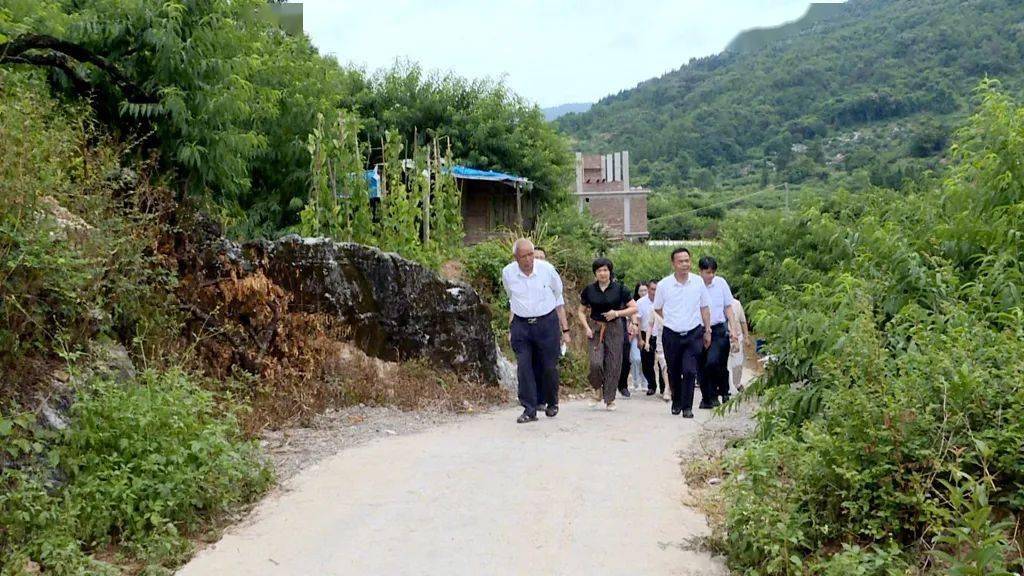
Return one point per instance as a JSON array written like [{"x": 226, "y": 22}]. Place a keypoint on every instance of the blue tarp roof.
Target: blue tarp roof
[
  {"x": 464, "y": 173},
  {"x": 460, "y": 172}
]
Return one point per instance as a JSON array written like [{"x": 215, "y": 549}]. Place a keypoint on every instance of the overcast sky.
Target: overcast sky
[{"x": 550, "y": 51}]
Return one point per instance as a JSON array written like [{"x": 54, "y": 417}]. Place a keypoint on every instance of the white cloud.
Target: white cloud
[{"x": 550, "y": 52}]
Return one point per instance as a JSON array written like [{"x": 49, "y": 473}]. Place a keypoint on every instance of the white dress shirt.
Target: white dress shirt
[
  {"x": 721, "y": 298},
  {"x": 533, "y": 295},
  {"x": 645, "y": 309},
  {"x": 680, "y": 303}
]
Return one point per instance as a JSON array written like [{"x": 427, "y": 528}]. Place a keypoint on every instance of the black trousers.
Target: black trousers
[
  {"x": 624, "y": 370},
  {"x": 536, "y": 342},
  {"x": 647, "y": 364},
  {"x": 713, "y": 372},
  {"x": 544, "y": 396},
  {"x": 682, "y": 354}
]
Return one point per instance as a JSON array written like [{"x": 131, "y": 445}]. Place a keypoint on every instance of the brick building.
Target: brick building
[{"x": 602, "y": 187}]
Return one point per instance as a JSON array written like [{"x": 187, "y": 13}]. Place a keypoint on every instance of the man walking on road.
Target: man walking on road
[
  {"x": 682, "y": 300},
  {"x": 534, "y": 291},
  {"x": 546, "y": 394},
  {"x": 714, "y": 365}
]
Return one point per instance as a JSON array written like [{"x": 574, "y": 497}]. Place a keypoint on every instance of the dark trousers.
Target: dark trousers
[
  {"x": 713, "y": 372},
  {"x": 605, "y": 357},
  {"x": 542, "y": 392},
  {"x": 647, "y": 364},
  {"x": 624, "y": 371},
  {"x": 682, "y": 353},
  {"x": 536, "y": 344}
]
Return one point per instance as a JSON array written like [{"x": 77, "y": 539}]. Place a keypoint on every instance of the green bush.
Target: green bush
[
  {"x": 890, "y": 430},
  {"x": 142, "y": 465},
  {"x": 75, "y": 260}
]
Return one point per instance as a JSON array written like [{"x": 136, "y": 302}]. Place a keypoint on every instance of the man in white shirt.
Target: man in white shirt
[
  {"x": 534, "y": 291},
  {"x": 713, "y": 372},
  {"x": 645, "y": 309},
  {"x": 683, "y": 302},
  {"x": 546, "y": 395}
]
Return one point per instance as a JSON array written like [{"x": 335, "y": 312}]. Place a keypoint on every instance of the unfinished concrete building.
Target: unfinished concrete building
[{"x": 602, "y": 187}]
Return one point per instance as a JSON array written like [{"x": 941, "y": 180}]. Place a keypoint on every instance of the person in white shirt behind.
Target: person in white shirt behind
[
  {"x": 738, "y": 351},
  {"x": 657, "y": 347},
  {"x": 713, "y": 369},
  {"x": 650, "y": 332},
  {"x": 683, "y": 302},
  {"x": 534, "y": 291}
]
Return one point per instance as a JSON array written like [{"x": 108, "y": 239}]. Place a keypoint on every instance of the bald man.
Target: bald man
[{"x": 534, "y": 291}]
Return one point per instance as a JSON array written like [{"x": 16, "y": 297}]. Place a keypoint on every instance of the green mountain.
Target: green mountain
[{"x": 864, "y": 92}]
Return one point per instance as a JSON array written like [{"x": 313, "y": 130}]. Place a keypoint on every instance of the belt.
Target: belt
[
  {"x": 685, "y": 332},
  {"x": 533, "y": 319},
  {"x": 600, "y": 337}
]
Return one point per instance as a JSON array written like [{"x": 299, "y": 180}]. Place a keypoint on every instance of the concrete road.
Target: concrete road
[{"x": 589, "y": 493}]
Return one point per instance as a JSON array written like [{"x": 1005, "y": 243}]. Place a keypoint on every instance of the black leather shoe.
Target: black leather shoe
[
  {"x": 625, "y": 392},
  {"x": 650, "y": 392},
  {"x": 687, "y": 413},
  {"x": 551, "y": 411},
  {"x": 526, "y": 418},
  {"x": 715, "y": 403},
  {"x": 726, "y": 398},
  {"x": 676, "y": 411},
  {"x": 705, "y": 406}
]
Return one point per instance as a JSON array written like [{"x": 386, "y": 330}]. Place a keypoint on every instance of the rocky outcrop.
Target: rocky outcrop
[
  {"x": 397, "y": 309},
  {"x": 392, "y": 308}
]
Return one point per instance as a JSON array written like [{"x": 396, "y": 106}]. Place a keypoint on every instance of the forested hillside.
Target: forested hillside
[{"x": 867, "y": 96}]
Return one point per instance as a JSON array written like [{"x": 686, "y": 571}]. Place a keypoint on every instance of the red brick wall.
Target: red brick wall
[
  {"x": 638, "y": 214},
  {"x": 609, "y": 211}
]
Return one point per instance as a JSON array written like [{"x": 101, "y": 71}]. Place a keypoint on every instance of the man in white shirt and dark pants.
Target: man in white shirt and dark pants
[
  {"x": 683, "y": 302},
  {"x": 537, "y": 329},
  {"x": 714, "y": 366}
]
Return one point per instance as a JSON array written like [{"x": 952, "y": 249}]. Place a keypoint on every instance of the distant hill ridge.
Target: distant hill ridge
[
  {"x": 757, "y": 38},
  {"x": 557, "y": 112}
]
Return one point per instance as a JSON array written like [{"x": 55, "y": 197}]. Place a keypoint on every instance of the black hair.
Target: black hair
[
  {"x": 678, "y": 251},
  {"x": 603, "y": 263},
  {"x": 535, "y": 248},
  {"x": 636, "y": 291},
  {"x": 708, "y": 263},
  {"x": 652, "y": 281}
]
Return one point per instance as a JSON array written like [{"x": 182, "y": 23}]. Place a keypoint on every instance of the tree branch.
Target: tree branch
[{"x": 62, "y": 54}]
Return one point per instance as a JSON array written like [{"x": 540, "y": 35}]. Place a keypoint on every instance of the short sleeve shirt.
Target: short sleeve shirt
[
  {"x": 721, "y": 298},
  {"x": 614, "y": 297},
  {"x": 534, "y": 295},
  {"x": 645, "y": 308},
  {"x": 681, "y": 302}
]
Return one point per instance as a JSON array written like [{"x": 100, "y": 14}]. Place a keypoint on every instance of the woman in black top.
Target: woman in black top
[{"x": 604, "y": 305}]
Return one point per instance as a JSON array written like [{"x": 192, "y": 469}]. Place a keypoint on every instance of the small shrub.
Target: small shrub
[{"x": 141, "y": 465}]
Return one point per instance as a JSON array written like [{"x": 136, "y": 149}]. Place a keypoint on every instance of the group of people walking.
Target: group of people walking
[{"x": 687, "y": 328}]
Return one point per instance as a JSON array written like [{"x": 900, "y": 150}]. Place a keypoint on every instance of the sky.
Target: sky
[{"x": 549, "y": 51}]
